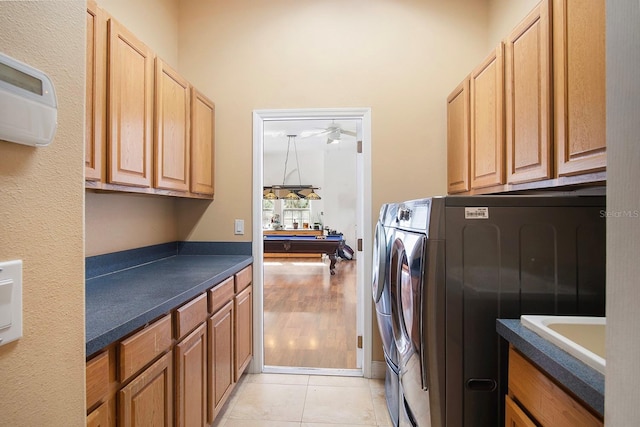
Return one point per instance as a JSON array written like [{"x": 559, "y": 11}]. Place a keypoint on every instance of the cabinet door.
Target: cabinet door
[
  {"x": 172, "y": 144},
  {"x": 514, "y": 416},
  {"x": 244, "y": 330},
  {"x": 221, "y": 368},
  {"x": 458, "y": 139},
  {"x": 579, "y": 86},
  {"x": 95, "y": 106},
  {"x": 148, "y": 399},
  {"x": 528, "y": 97},
  {"x": 202, "y": 144},
  {"x": 487, "y": 121},
  {"x": 130, "y": 108},
  {"x": 99, "y": 417},
  {"x": 191, "y": 379}
]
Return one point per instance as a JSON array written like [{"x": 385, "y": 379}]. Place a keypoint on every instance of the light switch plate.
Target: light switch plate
[
  {"x": 239, "y": 226},
  {"x": 10, "y": 301}
]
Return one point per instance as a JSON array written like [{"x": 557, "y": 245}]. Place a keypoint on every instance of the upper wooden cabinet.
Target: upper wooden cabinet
[
  {"x": 458, "y": 139},
  {"x": 202, "y": 143},
  {"x": 487, "y": 121},
  {"x": 95, "y": 106},
  {"x": 147, "y": 131},
  {"x": 172, "y": 114},
  {"x": 130, "y": 108},
  {"x": 579, "y": 79},
  {"x": 528, "y": 97},
  {"x": 554, "y": 100}
]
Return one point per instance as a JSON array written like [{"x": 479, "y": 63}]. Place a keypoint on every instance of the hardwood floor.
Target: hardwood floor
[{"x": 309, "y": 315}]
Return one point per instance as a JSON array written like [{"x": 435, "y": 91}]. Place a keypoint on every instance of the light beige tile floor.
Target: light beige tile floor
[{"x": 283, "y": 400}]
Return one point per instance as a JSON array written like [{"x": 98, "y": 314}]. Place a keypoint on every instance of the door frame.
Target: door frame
[{"x": 363, "y": 226}]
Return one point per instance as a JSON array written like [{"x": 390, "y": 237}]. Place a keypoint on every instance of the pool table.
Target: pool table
[{"x": 290, "y": 244}]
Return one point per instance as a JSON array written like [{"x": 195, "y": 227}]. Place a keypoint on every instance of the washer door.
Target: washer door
[
  {"x": 406, "y": 291},
  {"x": 398, "y": 274},
  {"x": 380, "y": 261}
]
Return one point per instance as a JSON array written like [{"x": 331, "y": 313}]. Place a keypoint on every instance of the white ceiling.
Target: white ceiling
[{"x": 276, "y": 133}]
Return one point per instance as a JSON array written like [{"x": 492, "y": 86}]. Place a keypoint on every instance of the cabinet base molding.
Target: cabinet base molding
[
  {"x": 101, "y": 187},
  {"x": 564, "y": 183}
]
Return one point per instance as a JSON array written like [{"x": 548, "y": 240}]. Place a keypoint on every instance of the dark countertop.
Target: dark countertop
[
  {"x": 121, "y": 302},
  {"x": 582, "y": 380}
]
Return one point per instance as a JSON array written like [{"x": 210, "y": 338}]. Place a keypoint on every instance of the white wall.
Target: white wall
[
  {"x": 623, "y": 198},
  {"x": 341, "y": 189}
]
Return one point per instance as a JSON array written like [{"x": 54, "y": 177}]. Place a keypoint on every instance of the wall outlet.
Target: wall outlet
[{"x": 238, "y": 226}]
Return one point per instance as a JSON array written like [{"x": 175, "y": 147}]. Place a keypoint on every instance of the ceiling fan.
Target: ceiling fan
[{"x": 333, "y": 132}]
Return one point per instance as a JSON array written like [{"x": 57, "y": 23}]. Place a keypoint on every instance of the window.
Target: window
[
  {"x": 268, "y": 209},
  {"x": 289, "y": 211}
]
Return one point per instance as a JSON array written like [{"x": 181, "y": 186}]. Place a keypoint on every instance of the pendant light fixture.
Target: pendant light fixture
[
  {"x": 294, "y": 191},
  {"x": 312, "y": 196},
  {"x": 270, "y": 195}
]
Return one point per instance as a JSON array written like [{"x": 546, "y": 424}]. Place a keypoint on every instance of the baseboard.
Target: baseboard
[{"x": 378, "y": 369}]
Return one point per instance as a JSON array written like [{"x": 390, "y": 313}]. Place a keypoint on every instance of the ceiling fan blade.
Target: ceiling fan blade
[
  {"x": 348, "y": 132},
  {"x": 274, "y": 133},
  {"x": 310, "y": 133}
]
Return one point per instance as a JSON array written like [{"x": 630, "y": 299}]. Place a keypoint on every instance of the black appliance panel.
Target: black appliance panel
[{"x": 520, "y": 260}]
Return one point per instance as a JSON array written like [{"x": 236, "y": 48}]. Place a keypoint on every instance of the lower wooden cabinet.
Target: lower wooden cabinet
[
  {"x": 221, "y": 377},
  {"x": 181, "y": 375},
  {"x": 535, "y": 399},
  {"x": 514, "y": 416},
  {"x": 99, "y": 417},
  {"x": 148, "y": 398},
  {"x": 244, "y": 330},
  {"x": 191, "y": 379}
]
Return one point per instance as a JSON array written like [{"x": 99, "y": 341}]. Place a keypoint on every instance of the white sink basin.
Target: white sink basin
[{"x": 582, "y": 337}]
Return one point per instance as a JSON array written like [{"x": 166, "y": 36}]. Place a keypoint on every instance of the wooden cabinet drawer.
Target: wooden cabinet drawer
[
  {"x": 97, "y": 378},
  {"x": 546, "y": 401},
  {"x": 220, "y": 295},
  {"x": 190, "y": 315},
  {"x": 141, "y": 348},
  {"x": 243, "y": 278}
]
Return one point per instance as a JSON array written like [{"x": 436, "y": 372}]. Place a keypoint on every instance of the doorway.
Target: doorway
[{"x": 300, "y": 135}]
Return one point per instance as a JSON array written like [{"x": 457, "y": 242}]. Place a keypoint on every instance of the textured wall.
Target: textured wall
[
  {"x": 623, "y": 205},
  {"x": 41, "y": 198}
]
